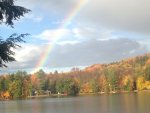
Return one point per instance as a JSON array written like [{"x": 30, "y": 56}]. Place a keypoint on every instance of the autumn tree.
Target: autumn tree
[
  {"x": 8, "y": 13},
  {"x": 112, "y": 78},
  {"x": 147, "y": 72},
  {"x": 127, "y": 83},
  {"x": 103, "y": 84},
  {"x": 140, "y": 83},
  {"x": 4, "y": 84},
  {"x": 86, "y": 88},
  {"x": 94, "y": 85}
]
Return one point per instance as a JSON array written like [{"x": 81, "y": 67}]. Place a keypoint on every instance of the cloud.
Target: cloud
[
  {"x": 33, "y": 17},
  {"x": 145, "y": 43},
  {"x": 74, "y": 35},
  {"x": 89, "y": 32},
  {"x": 94, "y": 51},
  {"x": 51, "y": 7},
  {"x": 80, "y": 54},
  {"x": 25, "y": 53},
  {"x": 92, "y": 35},
  {"x": 52, "y": 35},
  {"x": 64, "y": 35},
  {"x": 27, "y": 56},
  {"x": 128, "y": 15}
]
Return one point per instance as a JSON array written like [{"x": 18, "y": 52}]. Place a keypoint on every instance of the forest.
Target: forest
[{"x": 132, "y": 74}]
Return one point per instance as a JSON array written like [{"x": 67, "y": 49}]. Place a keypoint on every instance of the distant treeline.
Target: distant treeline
[{"x": 126, "y": 75}]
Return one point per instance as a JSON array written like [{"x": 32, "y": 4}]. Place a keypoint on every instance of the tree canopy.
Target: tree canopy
[
  {"x": 8, "y": 13},
  {"x": 105, "y": 78}
]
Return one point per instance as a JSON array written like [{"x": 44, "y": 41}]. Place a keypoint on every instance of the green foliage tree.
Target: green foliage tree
[
  {"x": 4, "y": 84},
  {"x": 67, "y": 86},
  {"x": 60, "y": 86},
  {"x": 127, "y": 87},
  {"x": 44, "y": 85},
  {"x": 71, "y": 87},
  {"x": 112, "y": 79},
  {"x": 15, "y": 89},
  {"x": 40, "y": 74},
  {"x": 52, "y": 86},
  {"x": 19, "y": 85},
  {"x": 8, "y": 13},
  {"x": 16, "y": 86},
  {"x": 147, "y": 72},
  {"x": 95, "y": 86}
]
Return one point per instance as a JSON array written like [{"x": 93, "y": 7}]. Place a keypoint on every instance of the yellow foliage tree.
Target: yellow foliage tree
[
  {"x": 127, "y": 83},
  {"x": 140, "y": 83},
  {"x": 6, "y": 95},
  {"x": 86, "y": 88},
  {"x": 103, "y": 84},
  {"x": 147, "y": 85}
]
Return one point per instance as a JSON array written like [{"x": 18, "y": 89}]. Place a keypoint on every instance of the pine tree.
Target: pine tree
[{"x": 8, "y": 13}]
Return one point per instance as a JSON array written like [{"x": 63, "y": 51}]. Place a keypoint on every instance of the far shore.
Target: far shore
[
  {"x": 80, "y": 94},
  {"x": 83, "y": 94}
]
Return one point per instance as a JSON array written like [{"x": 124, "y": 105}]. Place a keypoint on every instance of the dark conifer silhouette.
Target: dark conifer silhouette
[{"x": 8, "y": 13}]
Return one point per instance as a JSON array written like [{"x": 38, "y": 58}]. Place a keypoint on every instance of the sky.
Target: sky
[{"x": 78, "y": 33}]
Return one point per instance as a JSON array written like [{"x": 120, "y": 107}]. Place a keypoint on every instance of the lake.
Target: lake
[{"x": 111, "y": 103}]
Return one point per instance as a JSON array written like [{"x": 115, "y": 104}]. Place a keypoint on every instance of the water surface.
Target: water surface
[{"x": 112, "y": 103}]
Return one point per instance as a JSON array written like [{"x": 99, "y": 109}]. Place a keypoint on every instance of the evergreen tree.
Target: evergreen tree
[{"x": 8, "y": 13}]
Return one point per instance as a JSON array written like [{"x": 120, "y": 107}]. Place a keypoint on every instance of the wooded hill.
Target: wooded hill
[{"x": 126, "y": 75}]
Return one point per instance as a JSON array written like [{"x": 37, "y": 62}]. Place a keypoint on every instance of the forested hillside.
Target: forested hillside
[{"x": 126, "y": 75}]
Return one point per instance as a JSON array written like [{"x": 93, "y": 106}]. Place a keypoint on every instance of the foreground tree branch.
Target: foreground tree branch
[{"x": 8, "y": 13}]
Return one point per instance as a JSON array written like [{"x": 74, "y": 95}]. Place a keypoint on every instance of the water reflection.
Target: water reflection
[
  {"x": 112, "y": 103},
  {"x": 128, "y": 103},
  {"x": 144, "y": 103}
]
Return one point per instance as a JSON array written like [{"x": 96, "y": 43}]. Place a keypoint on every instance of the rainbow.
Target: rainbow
[{"x": 73, "y": 13}]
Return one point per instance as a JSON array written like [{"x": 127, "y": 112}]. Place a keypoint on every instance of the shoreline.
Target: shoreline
[
  {"x": 80, "y": 94},
  {"x": 84, "y": 94}
]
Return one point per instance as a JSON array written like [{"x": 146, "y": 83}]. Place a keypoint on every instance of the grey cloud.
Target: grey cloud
[
  {"x": 50, "y": 6},
  {"x": 81, "y": 54},
  {"x": 126, "y": 15},
  {"x": 94, "y": 51}
]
